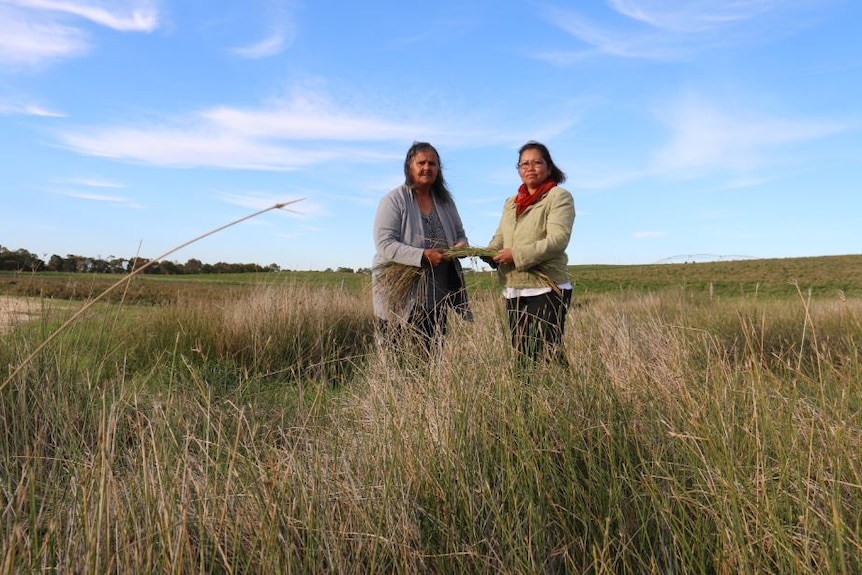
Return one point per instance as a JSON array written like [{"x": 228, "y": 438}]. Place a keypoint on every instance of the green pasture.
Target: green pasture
[
  {"x": 709, "y": 421},
  {"x": 825, "y": 276}
]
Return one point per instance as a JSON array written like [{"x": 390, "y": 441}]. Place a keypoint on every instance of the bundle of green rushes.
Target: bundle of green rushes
[{"x": 399, "y": 279}]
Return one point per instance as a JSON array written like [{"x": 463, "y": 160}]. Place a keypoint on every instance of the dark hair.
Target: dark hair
[
  {"x": 439, "y": 189},
  {"x": 555, "y": 173}
]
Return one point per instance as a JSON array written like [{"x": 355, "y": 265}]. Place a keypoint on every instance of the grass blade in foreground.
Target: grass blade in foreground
[{"x": 127, "y": 278}]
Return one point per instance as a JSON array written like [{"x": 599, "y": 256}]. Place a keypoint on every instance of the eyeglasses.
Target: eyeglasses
[{"x": 533, "y": 164}]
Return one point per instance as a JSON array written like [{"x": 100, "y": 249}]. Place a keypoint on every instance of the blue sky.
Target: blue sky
[{"x": 705, "y": 127}]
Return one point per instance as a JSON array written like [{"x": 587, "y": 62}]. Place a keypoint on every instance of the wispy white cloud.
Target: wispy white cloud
[
  {"x": 604, "y": 40},
  {"x": 33, "y": 32},
  {"x": 88, "y": 182},
  {"x": 661, "y": 30},
  {"x": 27, "y": 41},
  {"x": 692, "y": 16},
  {"x": 305, "y": 120},
  {"x": 193, "y": 147},
  {"x": 282, "y": 136},
  {"x": 310, "y": 127},
  {"x": 706, "y": 136},
  {"x": 648, "y": 235},
  {"x": 264, "y": 48},
  {"x": 35, "y": 110},
  {"x": 8, "y": 109},
  {"x": 744, "y": 182},
  {"x": 281, "y": 31},
  {"x": 116, "y": 200},
  {"x": 124, "y": 16}
]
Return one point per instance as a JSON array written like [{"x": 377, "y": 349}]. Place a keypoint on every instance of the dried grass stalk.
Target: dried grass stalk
[
  {"x": 470, "y": 252},
  {"x": 399, "y": 280}
]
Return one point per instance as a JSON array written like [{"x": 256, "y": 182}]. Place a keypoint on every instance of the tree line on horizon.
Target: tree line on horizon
[{"x": 22, "y": 260}]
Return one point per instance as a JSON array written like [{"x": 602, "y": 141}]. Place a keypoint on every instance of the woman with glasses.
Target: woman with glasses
[
  {"x": 531, "y": 260},
  {"x": 415, "y": 225}
]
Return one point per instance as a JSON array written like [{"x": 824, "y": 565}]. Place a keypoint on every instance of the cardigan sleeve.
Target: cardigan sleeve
[{"x": 390, "y": 227}]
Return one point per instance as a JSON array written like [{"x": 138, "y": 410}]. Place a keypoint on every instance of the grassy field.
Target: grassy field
[
  {"x": 710, "y": 421},
  {"x": 826, "y": 276}
]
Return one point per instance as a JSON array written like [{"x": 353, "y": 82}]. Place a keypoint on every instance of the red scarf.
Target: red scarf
[{"x": 524, "y": 199}]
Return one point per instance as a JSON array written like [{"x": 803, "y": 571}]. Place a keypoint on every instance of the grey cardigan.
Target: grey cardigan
[{"x": 399, "y": 237}]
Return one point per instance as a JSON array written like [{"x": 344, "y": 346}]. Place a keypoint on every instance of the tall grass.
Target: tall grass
[{"x": 265, "y": 432}]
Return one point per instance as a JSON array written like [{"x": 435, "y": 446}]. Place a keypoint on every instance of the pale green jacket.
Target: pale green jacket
[{"x": 538, "y": 240}]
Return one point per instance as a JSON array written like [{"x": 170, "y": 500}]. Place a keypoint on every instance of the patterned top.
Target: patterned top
[{"x": 438, "y": 282}]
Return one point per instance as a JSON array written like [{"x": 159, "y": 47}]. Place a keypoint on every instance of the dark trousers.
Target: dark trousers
[
  {"x": 537, "y": 323},
  {"x": 428, "y": 326},
  {"x": 425, "y": 329}
]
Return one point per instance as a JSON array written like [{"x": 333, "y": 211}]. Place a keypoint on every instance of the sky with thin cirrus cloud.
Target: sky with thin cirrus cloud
[{"x": 708, "y": 127}]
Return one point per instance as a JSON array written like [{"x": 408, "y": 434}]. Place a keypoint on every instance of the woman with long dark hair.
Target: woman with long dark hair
[{"x": 415, "y": 224}]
